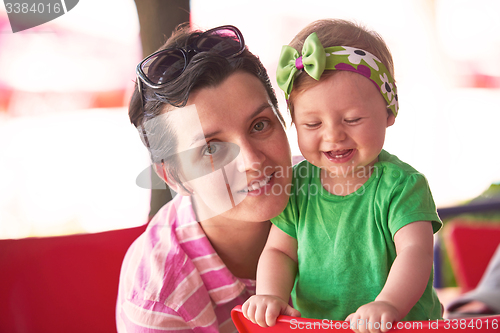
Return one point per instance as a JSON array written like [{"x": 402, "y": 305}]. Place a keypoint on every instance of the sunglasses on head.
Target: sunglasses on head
[{"x": 164, "y": 66}]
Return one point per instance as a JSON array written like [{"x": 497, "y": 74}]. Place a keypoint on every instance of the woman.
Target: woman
[{"x": 206, "y": 110}]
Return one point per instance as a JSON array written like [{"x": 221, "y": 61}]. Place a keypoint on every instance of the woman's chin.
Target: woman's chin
[{"x": 263, "y": 210}]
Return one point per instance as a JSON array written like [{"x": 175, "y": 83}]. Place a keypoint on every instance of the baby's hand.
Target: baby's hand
[
  {"x": 373, "y": 317},
  {"x": 265, "y": 309}
]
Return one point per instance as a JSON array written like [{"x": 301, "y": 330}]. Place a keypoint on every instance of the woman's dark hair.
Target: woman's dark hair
[{"x": 205, "y": 70}]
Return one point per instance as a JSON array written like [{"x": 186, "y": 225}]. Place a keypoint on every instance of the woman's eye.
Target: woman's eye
[
  {"x": 261, "y": 125},
  {"x": 210, "y": 149}
]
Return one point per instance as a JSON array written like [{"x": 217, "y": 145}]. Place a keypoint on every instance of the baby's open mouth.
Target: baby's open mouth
[
  {"x": 339, "y": 156},
  {"x": 339, "y": 153}
]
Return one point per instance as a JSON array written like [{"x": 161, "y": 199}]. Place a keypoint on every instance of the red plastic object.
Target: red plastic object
[
  {"x": 286, "y": 324},
  {"x": 471, "y": 247},
  {"x": 62, "y": 284}
]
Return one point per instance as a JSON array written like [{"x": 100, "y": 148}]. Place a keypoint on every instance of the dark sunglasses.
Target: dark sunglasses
[{"x": 164, "y": 66}]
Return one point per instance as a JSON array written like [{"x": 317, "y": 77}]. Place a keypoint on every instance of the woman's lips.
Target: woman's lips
[
  {"x": 339, "y": 156},
  {"x": 258, "y": 187}
]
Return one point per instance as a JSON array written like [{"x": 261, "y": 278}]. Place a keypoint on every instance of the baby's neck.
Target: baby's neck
[{"x": 347, "y": 182}]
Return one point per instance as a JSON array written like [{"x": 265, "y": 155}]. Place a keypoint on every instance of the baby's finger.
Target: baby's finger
[
  {"x": 260, "y": 315},
  {"x": 272, "y": 313},
  {"x": 250, "y": 311},
  {"x": 354, "y": 320},
  {"x": 289, "y": 311},
  {"x": 387, "y": 321},
  {"x": 244, "y": 308},
  {"x": 374, "y": 324}
]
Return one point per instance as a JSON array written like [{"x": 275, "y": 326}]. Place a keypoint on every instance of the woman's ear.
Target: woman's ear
[{"x": 166, "y": 176}]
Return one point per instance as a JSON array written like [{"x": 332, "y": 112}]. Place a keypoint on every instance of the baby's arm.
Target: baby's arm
[
  {"x": 407, "y": 278},
  {"x": 275, "y": 278}
]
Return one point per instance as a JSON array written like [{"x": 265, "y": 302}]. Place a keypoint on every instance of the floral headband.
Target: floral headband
[{"x": 315, "y": 59}]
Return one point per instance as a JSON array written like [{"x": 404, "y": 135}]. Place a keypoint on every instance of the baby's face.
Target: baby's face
[{"x": 341, "y": 123}]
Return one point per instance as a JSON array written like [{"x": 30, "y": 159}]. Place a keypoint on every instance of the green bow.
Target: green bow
[{"x": 313, "y": 60}]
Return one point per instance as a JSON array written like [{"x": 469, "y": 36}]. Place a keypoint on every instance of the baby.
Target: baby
[{"x": 355, "y": 242}]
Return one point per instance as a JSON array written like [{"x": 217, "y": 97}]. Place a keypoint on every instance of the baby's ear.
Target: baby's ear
[
  {"x": 166, "y": 175},
  {"x": 391, "y": 118}
]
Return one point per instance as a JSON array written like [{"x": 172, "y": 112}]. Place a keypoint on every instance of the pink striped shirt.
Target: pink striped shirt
[{"x": 173, "y": 280}]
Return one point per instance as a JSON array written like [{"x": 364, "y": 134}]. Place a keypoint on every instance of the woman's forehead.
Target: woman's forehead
[
  {"x": 195, "y": 128},
  {"x": 230, "y": 104},
  {"x": 186, "y": 124}
]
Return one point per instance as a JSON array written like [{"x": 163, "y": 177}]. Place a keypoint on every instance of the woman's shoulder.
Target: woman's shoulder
[
  {"x": 176, "y": 212},
  {"x": 158, "y": 281},
  {"x": 173, "y": 269},
  {"x": 156, "y": 263}
]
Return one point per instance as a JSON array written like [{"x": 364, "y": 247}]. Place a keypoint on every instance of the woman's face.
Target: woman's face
[{"x": 235, "y": 158}]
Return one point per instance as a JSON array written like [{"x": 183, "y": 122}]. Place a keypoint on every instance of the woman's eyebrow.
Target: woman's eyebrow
[
  {"x": 208, "y": 136},
  {"x": 259, "y": 110},
  {"x": 204, "y": 137}
]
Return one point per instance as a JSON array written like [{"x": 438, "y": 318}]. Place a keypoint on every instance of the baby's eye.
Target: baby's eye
[
  {"x": 352, "y": 121},
  {"x": 312, "y": 125}
]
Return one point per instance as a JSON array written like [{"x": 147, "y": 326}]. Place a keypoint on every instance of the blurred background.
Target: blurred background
[{"x": 69, "y": 156}]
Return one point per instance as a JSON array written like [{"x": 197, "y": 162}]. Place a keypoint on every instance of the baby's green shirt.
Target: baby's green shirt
[{"x": 346, "y": 243}]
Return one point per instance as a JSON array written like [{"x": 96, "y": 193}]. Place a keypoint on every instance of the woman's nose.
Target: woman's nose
[{"x": 251, "y": 156}]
